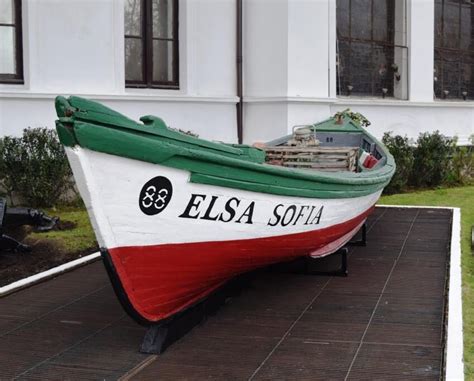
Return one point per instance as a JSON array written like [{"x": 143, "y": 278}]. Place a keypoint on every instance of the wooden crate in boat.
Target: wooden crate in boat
[{"x": 330, "y": 159}]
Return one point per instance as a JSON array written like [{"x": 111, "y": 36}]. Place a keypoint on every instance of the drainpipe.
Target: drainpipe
[{"x": 240, "y": 104}]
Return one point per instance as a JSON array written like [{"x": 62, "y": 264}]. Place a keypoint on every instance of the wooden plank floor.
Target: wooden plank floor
[{"x": 384, "y": 321}]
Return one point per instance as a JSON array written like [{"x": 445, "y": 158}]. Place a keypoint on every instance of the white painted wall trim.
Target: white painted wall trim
[
  {"x": 288, "y": 99},
  {"x": 128, "y": 97},
  {"x": 454, "y": 350},
  {"x": 31, "y": 280},
  {"x": 358, "y": 101},
  {"x": 395, "y": 102}
]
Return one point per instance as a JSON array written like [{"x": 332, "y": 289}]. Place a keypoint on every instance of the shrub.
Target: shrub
[
  {"x": 431, "y": 159},
  {"x": 402, "y": 152},
  {"x": 35, "y": 167},
  {"x": 461, "y": 168}
]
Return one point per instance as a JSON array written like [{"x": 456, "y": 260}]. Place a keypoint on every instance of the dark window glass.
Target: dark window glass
[
  {"x": 342, "y": 21},
  {"x": 361, "y": 19},
  {"x": 438, "y": 23},
  {"x": 365, "y": 46},
  {"x": 11, "y": 50},
  {"x": 454, "y": 49},
  {"x": 382, "y": 21},
  {"x": 151, "y": 43},
  {"x": 134, "y": 59}
]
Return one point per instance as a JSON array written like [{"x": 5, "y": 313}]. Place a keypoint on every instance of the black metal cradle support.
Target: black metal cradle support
[
  {"x": 362, "y": 241},
  {"x": 342, "y": 253},
  {"x": 160, "y": 336},
  {"x": 316, "y": 262}
]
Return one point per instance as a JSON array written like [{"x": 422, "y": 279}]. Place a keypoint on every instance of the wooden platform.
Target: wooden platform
[{"x": 384, "y": 321}]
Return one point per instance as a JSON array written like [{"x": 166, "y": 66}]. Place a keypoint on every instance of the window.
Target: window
[
  {"x": 454, "y": 49},
  {"x": 371, "y": 51},
  {"x": 11, "y": 51},
  {"x": 151, "y": 43}
]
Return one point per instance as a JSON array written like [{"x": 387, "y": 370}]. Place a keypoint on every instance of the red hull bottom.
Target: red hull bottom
[{"x": 160, "y": 281}]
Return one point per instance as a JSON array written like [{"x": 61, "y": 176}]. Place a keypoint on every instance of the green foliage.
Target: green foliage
[
  {"x": 431, "y": 160},
  {"x": 461, "y": 169},
  {"x": 435, "y": 160},
  {"x": 35, "y": 167},
  {"x": 402, "y": 152}
]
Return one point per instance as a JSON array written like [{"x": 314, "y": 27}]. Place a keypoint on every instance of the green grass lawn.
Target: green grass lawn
[{"x": 462, "y": 197}]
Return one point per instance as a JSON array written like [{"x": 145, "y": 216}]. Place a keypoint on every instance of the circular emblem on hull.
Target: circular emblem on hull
[{"x": 155, "y": 195}]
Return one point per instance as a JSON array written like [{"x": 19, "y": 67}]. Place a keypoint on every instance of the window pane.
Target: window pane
[
  {"x": 438, "y": 73},
  {"x": 380, "y": 20},
  {"x": 360, "y": 19},
  {"x": 133, "y": 59},
  {"x": 163, "y": 61},
  {"x": 451, "y": 24},
  {"x": 343, "y": 68},
  {"x": 451, "y": 76},
  {"x": 133, "y": 19},
  {"x": 163, "y": 13},
  {"x": 7, "y": 50},
  {"x": 342, "y": 21},
  {"x": 383, "y": 73},
  {"x": 361, "y": 59},
  {"x": 438, "y": 24},
  {"x": 6, "y": 12},
  {"x": 467, "y": 18},
  {"x": 468, "y": 75}
]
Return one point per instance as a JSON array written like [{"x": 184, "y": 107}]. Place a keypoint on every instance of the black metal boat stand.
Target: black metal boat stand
[
  {"x": 319, "y": 263},
  {"x": 342, "y": 270},
  {"x": 362, "y": 241},
  {"x": 160, "y": 336}
]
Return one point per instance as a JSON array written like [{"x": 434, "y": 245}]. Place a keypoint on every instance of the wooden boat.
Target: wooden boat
[{"x": 177, "y": 216}]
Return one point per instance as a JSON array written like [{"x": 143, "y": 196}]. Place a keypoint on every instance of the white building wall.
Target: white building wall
[
  {"x": 308, "y": 49},
  {"x": 77, "y": 47},
  {"x": 413, "y": 118},
  {"x": 287, "y": 65},
  {"x": 310, "y": 76}
]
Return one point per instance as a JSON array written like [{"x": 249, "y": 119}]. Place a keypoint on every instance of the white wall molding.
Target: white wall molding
[
  {"x": 127, "y": 97},
  {"x": 288, "y": 99},
  {"x": 401, "y": 103},
  {"x": 359, "y": 101}
]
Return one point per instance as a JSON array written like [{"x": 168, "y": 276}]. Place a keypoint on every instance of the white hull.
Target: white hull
[{"x": 111, "y": 187}]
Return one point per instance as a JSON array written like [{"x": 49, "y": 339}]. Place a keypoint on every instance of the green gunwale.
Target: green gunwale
[{"x": 91, "y": 125}]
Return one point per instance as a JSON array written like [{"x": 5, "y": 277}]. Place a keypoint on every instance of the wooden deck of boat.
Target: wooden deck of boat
[{"x": 384, "y": 321}]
